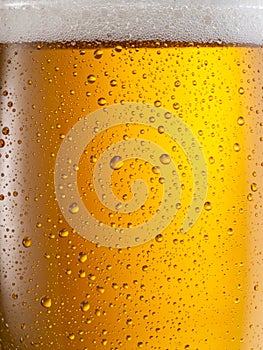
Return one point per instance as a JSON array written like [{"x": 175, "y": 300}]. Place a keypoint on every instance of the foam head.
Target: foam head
[{"x": 239, "y": 21}]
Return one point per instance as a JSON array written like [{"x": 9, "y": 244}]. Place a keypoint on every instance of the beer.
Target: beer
[{"x": 131, "y": 189}]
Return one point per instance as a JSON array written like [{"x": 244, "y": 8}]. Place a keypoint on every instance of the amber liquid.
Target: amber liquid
[{"x": 197, "y": 288}]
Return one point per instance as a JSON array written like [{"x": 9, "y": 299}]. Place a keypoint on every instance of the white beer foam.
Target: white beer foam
[{"x": 239, "y": 21}]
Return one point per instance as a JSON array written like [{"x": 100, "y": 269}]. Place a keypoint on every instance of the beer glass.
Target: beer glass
[{"x": 131, "y": 174}]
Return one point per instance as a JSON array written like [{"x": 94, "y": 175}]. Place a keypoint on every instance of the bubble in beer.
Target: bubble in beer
[
  {"x": 27, "y": 242},
  {"x": 46, "y": 302},
  {"x": 74, "y": 208},
  {"x": 116, "y": 163}
]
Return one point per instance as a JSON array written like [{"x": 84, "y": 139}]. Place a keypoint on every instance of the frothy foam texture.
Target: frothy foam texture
[{"x": 239, "y": 21}]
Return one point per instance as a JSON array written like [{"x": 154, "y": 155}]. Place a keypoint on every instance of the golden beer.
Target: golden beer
[{"x": 131, "y": 194}]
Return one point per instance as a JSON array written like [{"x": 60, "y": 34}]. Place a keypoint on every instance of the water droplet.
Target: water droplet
[
  {"x": 176, "y": 106},
  {"x": 98, "y": 54},
  {"x": 157, "y": 103},
  {"x": 118, "y": 48},
  {"x": 73, "y": 208},
  {"x": 145, "y": 268},
  {"x": 27, "y": 242},
  {"x": 236, "y": 147},
  {"x": 254, "y": 187},
  {"x": 113, "y": 82},
  {"x": 208, "y": 206},
  {"x": 241, "y": 91},
  {"x": 5, "y": 130},
  {"x": 46, "y": 302},
  {"x": 230, "y": 231},
  {"x": 250, "y": 197},
  {"x": 156, "y": 170},
  {"x": 256, "y": 287},
  {"x": 241, "y": 121},
  {"x": 93, "y": 159},
  {"x": 91, "y": 78},
  {"x": 82, "y": 257},
  {"x": 211, "y": 160},
  {"x": 82, "y": 274},
  {"x": 159, "y": 238},
  {"x": 71, "y": 336},
  {"x": 85, "y": 306},
  {"x": 100, "y": 289},
  {"x": 118, "y": 206},
  {"x": 167, "y": 115},
  {"x": 161, "y": 180},
  {"x": 63, "y": 233},
  {"x": 102, "y": 101},
  {"x": 161, "y": 129},
  {"x": 92, "y": 277},
  {"x": 165, "y": 159},
  {"x": 2, "y": 143},
  {"x": 129, "y": 321},
  {"x": 116, "y": 163},
  {"x": 177, "y": 83}
]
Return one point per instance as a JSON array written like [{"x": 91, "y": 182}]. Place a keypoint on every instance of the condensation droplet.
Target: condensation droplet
[
  {"x": 100, "y": 289},
  {"x": 113, "y": 82},
  {"x": 165, "y": 159},
  {"x": 98, "y": 54},
  {"x": 85, "y": 306},
  {"x": 230, "y": 231},
  {"x": 46, "y": 302},
  {"x": 167, "y": 115},
  {"x": 5, "y": 130},
  {"x": 91, "y": 78},
  {"x": 157, "y": 103},
  {"x": 156, "y": 170},
  {"x": 236, "y": 147},
  {"x": 82, "y": 257},
  {"x": 73, "y": 208},
  {"x": 241, "y": 121},
  {"x": 2, "y": 143},
  {"x": 27, "y": 242},
  {"x": 161, "y": 129},
  {"x": 241, "y": 91},
  {"x": 116, "y": 163},
  {"x": 254, "y": 187},
  {"x": 208, "y": 206},
  {"x": 256, "y": 287},
  {"x": 102, "y": 101},
  {"x": 63, "y": 233}
]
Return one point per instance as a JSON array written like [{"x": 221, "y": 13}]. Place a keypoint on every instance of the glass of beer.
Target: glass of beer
[{"x": 131, "y": 175}]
